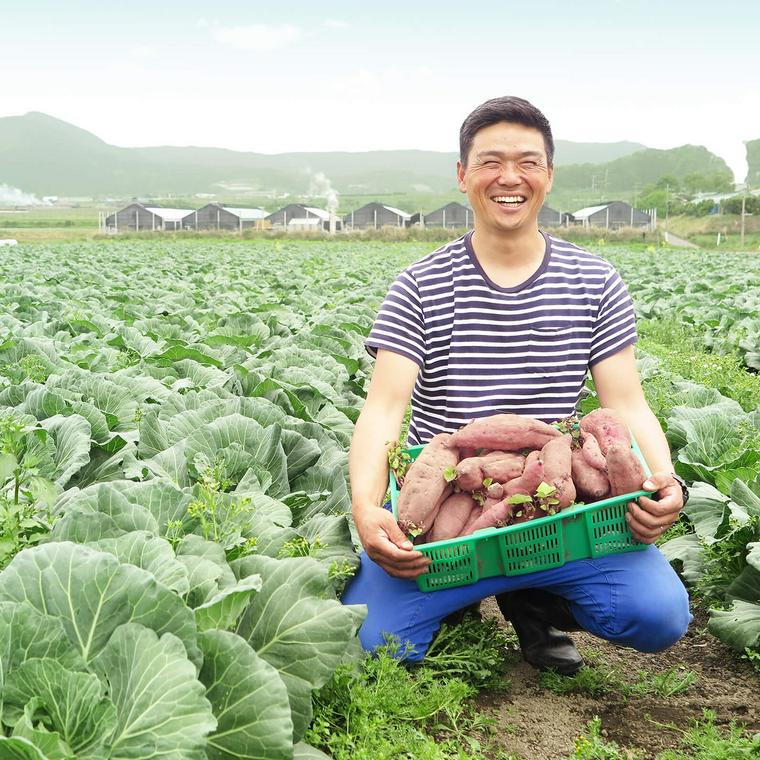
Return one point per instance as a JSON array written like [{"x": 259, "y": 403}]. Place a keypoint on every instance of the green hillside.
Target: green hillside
[{"x": 46, "y": 156}]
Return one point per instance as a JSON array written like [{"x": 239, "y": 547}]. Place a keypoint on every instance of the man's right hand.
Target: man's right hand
[{"x": 387, "y": 545}]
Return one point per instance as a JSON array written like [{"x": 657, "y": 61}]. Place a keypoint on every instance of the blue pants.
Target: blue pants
[{"x": 634, "y": 599}]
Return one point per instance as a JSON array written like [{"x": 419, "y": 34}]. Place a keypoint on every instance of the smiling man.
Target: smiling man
[{"x": 509, "y": 319}]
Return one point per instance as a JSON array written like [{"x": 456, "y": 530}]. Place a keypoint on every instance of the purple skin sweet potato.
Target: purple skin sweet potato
[
  {"x": 607, "y": 427},
  {"x": 425, "y": 485},
  {"x": 470, "y": 474},
  {"x": 504, "y": 467},
  {"x": 477, "y": 511},
  {"x": 591, "y": 452},
  {"x": 590, "y": 484},
  {"x": 557, "y": 459},
  {"x": 530, "y": 479},
  {"x": 496, "y": 516},
  {"x": 500, "y": 466},
  {"x": 495, "y": 491},
  {"x": 625, "y": 470},
  {"x": 452, "y": 516},
  {"x": 508, "y": 432}
]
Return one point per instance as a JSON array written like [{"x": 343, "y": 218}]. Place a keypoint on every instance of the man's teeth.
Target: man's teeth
[{"x": 509, "y": 198}]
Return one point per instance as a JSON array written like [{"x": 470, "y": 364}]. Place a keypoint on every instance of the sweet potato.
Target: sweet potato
[
  {"x": 557, "y": 458},
  {"x": 509, "y": 432},
  {"x": 607, "y": 427},
  {"x": 504, "y": 467},
  {"x": 590, "y": 484},
  {"x": 477, "y": 511},
  {"x": 495, "y": 491},
  {"x": 496, "y": 516},
  {"x": 425, "y": 485},
  {"x": 531, "y": 477},
  {"x": 591, "y": 451},
  {"x": 625, "y": 470},
  {"x": 452, "y": 516},
  {"x": 500, "y": 466}
]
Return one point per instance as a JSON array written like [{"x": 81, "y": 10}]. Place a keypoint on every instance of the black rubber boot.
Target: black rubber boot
[{"x": 539, "y": 619}]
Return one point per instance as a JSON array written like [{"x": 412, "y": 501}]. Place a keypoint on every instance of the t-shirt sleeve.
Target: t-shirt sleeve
[
  {"x": 399, "y": 325},
  {"x": 615, "y": 326}
]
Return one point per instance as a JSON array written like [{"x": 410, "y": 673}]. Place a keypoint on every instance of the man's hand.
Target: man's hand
[
  {"x": 649, "y": 519},
  {"x": 387, "y": 545}
]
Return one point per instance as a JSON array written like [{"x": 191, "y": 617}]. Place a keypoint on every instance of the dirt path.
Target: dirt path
[
  {"x": 676, "y": 241},
  {"x": 537, "y": 724}
]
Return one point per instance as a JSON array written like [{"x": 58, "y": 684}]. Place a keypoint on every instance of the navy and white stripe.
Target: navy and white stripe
[{"x": 484, "y": 349}]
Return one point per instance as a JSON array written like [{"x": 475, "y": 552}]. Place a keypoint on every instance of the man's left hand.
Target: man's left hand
[{"x": 649, "y": 519}]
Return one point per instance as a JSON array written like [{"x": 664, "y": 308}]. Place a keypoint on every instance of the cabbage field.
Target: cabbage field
[{"x": 174, "y": 424}]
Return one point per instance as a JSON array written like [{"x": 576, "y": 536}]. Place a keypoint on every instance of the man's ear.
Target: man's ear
[
  {"x": 551, "y": 180},
  {"x": 460, "y": 178}
]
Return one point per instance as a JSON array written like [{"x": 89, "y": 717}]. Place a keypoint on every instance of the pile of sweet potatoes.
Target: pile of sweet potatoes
[{"x": 506, "y": 469}]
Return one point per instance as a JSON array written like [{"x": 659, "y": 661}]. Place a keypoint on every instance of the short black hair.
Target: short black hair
[{"x": 510, "y": 109}]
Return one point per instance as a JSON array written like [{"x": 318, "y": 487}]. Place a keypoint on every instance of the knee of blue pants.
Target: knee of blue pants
[{"x": 655, "y": 620}]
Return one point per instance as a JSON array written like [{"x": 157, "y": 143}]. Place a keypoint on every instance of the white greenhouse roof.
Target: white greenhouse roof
[
  {"x": 397, "y": 211},
  {"x": 304, "y": 221},
  {"x": 247, "y": 214},
  {"x": 585, "y": 213},
  {"x": 169, "y": 214},
  {"x": 320, "y": 212}
]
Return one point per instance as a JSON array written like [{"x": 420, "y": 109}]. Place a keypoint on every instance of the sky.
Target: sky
[{"x": 304, "y": 76}]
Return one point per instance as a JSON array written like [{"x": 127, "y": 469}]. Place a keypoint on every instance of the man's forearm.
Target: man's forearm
[{"x": 368, "y": 458}]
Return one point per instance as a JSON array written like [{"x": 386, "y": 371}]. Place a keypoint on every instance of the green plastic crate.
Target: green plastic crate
[{"x": 577, "y": 532}]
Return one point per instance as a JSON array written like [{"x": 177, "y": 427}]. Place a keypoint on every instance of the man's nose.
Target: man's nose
[{"x": 509, "y": 175}]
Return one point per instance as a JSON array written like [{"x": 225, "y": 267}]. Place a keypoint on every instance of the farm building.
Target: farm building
[
  {"x": 376, "y": 215},
  {"x": 138, "y": 218},
  {"x": 612, "y": 215},
  {"x": 548, "y": 217},
  {"x": 451, "y": 216},
  {"x": 296, "y": 216},
  {"x": 214, "y": 216}
]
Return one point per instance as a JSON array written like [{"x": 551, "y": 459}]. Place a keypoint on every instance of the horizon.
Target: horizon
[{"x": 389, "y": 78}]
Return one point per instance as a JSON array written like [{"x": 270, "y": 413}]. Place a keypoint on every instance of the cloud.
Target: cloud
[
  {"x": 335, "y": 23},
  {"x": 259, "y": 37}
]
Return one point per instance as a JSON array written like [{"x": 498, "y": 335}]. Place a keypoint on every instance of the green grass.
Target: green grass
[
  {"x": 597, "y": 679},
  {"x": 590, "y": 745},
  {"x": 384, "y": 708},
  {"x": 704, "y": 740},
  {"x": 386, "y": 711}
]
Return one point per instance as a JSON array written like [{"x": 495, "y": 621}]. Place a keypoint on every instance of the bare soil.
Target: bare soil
[{"x": 537, "y": 724}]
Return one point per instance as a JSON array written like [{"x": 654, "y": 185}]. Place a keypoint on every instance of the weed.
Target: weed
[
  {"x": 597, "y": 679},
  {"x": 592, "y": 746},
  {"x": 473, "y": 650},
  {"x": 386, "y": 711},
  {"x": 703, "y": 740}
]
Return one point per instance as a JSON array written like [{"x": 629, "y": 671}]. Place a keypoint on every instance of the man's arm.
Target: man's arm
[
  {"x": 378, "y": 426},
  {"x": 619, "y": 388}
]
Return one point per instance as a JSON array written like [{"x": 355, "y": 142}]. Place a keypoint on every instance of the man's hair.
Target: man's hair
[{"x": 510, "y": 109}]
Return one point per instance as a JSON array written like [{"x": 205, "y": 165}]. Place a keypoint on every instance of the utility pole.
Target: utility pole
[
  {"x": 744, "y": 209},
  {"x": 667, "y": 204}
]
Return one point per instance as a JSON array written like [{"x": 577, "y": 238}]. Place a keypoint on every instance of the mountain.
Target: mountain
[
  {"x": 46, "y": 156},
  {"x": 642, "y": 168}
]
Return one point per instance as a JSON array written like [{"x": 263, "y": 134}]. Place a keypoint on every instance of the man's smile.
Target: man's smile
[{"x": 509, "y": 200}]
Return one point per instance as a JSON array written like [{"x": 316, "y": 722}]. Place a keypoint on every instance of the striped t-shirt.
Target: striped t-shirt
[{"x": 485, "y": 349}]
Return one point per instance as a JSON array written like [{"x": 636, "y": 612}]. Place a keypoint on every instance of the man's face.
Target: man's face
[{"x": 506, "y": 178}]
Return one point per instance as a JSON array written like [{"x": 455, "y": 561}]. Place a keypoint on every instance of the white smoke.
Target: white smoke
[
  {"x": 320, "y": 187},
  {"x": 12, "y": 196}
]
